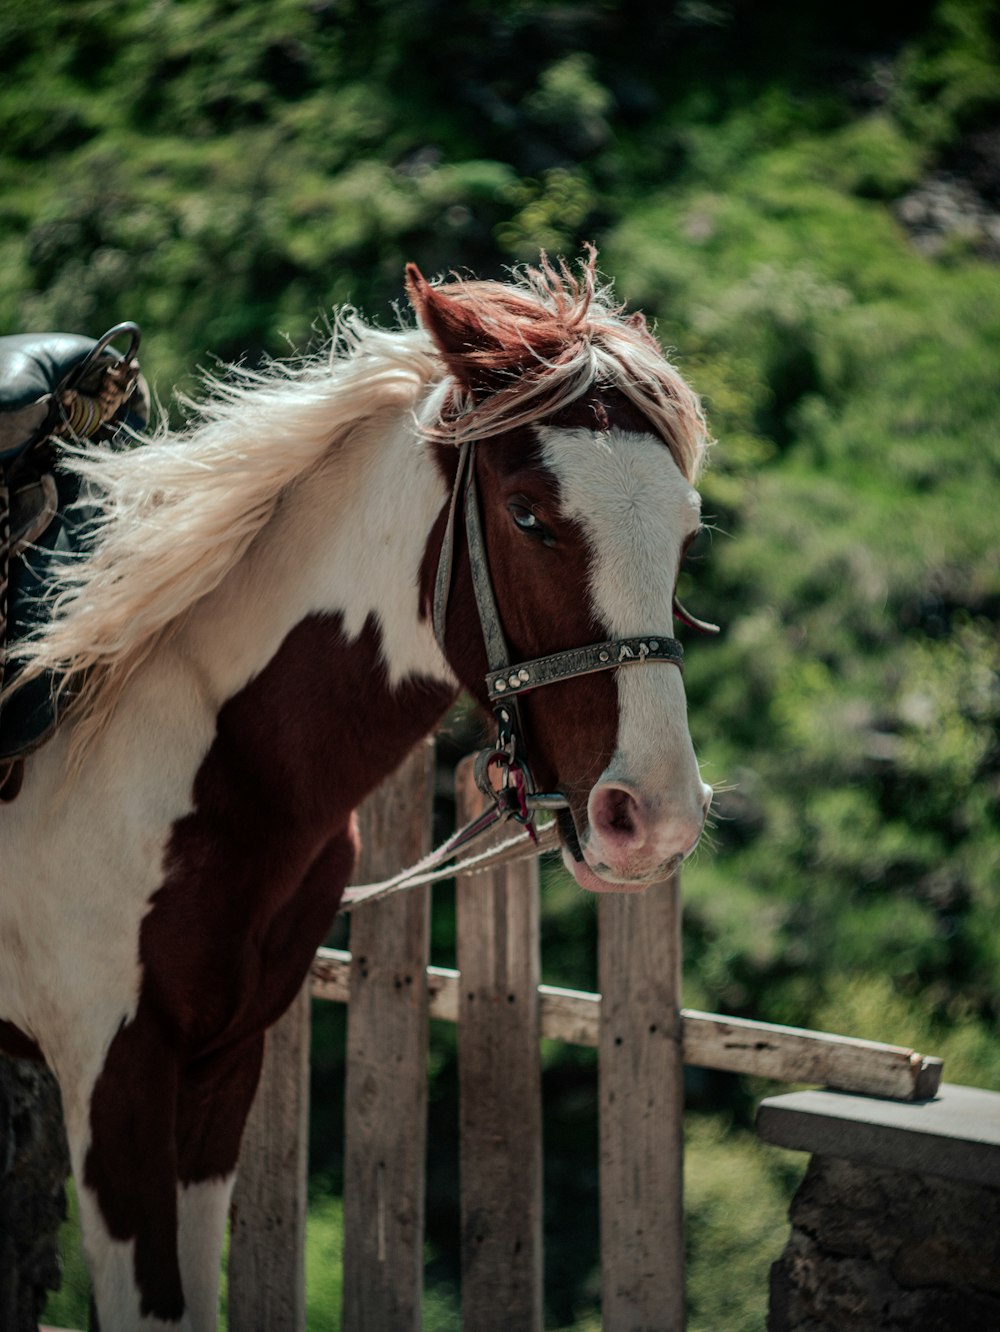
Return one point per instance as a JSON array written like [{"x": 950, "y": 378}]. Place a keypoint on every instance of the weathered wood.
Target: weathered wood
[
  {"x": 268, "y": 1218},
  {"x": 641, "y": 1087},
  {"x": 500, "y": 1090},
  {"x": 791, "y": 1054},
  {"x": 386, "y": 1092},
  {"x": 735, "y": 1045}
]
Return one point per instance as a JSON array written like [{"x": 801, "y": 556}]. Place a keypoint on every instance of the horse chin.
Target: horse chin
[
  {"x": 588, "y": 878},
  {"x": 584, "y": 874}
]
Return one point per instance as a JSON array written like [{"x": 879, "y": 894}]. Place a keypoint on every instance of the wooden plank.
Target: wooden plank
[
  {"x": 735, "y": 1045},
  {"x": 331, "y": 980},
  {"x": 267, "y": 1289},
  {"x": 791, "y": 1054},
  {"x": 386, "y": 1092},
  {"x": 500, "y": 1090},
  {"x": 641, "y": 1091}
]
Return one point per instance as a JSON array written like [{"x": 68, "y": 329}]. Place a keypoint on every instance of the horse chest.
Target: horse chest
[{"x": 81, "y": 862}]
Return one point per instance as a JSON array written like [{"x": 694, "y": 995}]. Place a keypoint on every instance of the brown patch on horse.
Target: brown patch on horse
[
  {"x": 255, "y": 876},
  {"x": 263, "y": 858},
  {"x": 131, "y": 1162}
]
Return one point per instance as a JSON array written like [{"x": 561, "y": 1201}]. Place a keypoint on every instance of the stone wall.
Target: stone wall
[
  {"x": 34, "y": 1163},
  {"x": 883, "y": 1250}
]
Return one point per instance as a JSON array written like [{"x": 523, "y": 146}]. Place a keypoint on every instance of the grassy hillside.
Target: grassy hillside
[{"x": 806, "y": 199}]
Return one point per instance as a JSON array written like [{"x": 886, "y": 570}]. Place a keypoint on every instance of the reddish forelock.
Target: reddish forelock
[{"x": 487, "y": 331}]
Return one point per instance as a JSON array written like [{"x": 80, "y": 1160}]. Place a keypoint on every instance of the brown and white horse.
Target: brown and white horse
[{"x": 254, "y": 637}]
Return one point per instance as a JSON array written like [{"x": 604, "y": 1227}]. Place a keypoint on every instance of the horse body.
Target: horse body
[
  {"x": 197, "y": 887},
  {"x": 160, "y": 908}
]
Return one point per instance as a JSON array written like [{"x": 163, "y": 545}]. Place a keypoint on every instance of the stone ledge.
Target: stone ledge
[{"x": 955, "y": 1134}]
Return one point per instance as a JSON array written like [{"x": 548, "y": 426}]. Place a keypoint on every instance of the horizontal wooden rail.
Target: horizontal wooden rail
[{"x": 734, "y": 1045}]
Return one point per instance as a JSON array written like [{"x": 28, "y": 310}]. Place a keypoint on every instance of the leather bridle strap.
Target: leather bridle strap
[
  {"x": 497, "y": 651},
  {"x": 442, "y": 581},
  {"x": 605, "y": 656}
]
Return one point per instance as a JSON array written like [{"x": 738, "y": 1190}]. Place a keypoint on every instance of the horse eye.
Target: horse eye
[{"x": 525, "y": 521}]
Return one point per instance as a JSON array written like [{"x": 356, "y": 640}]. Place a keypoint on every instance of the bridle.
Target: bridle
[
  {"x": 506, "y": 680},
  {"x": 516, "y": 797}
]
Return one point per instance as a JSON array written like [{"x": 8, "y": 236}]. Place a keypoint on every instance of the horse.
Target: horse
[{"x": 281, "y": 599}]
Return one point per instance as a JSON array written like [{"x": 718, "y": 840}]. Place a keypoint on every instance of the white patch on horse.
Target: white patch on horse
[
  {"x": 202, "y": 1212},
  {"x": 112, "y": 1267},
  {"x": 636, "y": 510},
  {"x": 336, "y": 545}
]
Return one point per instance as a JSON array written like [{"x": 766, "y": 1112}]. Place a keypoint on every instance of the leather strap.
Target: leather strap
[
  {"x": 442, "y": 582},
  {"x": 497, "y": 651},
  {"x": 605, "y": 656}
]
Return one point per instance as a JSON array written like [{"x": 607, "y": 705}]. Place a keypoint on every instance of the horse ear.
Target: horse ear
[
  {"x": 638, "y": 322},
  {"x": 473, "y": 354}
]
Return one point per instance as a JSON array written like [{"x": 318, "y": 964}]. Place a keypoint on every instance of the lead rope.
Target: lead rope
[{"x": 443, "y": 863}]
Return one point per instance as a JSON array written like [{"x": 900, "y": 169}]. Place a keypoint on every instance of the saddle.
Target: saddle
[{"x": 54, "y": 388}]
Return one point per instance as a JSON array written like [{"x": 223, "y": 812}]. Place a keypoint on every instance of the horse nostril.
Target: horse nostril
[
  {"x": 616, "y": 814},
  {"x": 619, "y": 812}
]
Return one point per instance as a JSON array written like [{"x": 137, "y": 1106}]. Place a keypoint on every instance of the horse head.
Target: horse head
[{"x": 581, "y": 445}]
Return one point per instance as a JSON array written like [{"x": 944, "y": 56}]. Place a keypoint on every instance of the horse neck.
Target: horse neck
[{"x": 316, "y": 640}]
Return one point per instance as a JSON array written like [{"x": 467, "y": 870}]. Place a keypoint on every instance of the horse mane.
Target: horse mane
[
  {"x": 176, "y": 515},
  {"x": 549, "y": 339}
]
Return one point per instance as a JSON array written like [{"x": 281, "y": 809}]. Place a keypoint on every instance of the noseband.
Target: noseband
[{"x": 517, "y": 796}]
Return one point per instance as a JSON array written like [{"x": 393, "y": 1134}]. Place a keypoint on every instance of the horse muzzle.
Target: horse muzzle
[{"x": 631, "y": 842}]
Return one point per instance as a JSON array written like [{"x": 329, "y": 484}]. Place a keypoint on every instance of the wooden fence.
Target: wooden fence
[{"x": 644, "y": 1038}]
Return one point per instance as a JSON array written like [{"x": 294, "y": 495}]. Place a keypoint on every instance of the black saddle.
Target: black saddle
[{"x": 54, "y": 387}]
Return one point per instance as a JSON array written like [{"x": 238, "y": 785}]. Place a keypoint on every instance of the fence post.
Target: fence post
[
  {"x": 500, "y": 1090},
  {"x": 386, "y": 1092},
  {"x": 641, "y": 1086},
  {"x": 267, "y": 1291}
]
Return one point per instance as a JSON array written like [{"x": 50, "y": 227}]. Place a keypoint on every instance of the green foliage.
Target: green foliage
[
  {"x": 737, "y": 1194},
  {"x": 225, "y": 173},
  {"x": 68, "y": 1306}
]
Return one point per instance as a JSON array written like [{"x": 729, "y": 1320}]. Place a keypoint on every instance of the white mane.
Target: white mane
[{"x": 178, "y": 513}]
